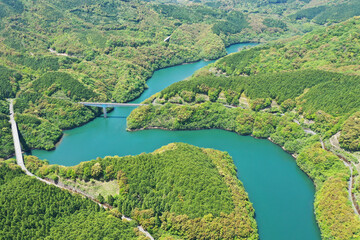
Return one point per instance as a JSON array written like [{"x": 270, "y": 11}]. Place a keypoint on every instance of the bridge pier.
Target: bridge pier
[
  {"x": 105, "y": 112},
  {"x": 104, "y": 105}
]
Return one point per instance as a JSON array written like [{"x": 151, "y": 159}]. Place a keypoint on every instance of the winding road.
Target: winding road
[
  {"x": 334, "y": 142},
  {"x": 334, "y": 139},
  {"x": 20, "y": 162}
]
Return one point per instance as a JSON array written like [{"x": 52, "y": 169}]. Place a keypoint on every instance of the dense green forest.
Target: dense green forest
[
  {"x": 350, "y": 134},
  {"x": 278, "y": 86},
  {"x": 37, "y": 133},
  {"x": 53, "y": 82},
  {"x": 337, "y": 97},
  {"x": 329, "y": 13},
  {"x": 8, "y": 82},
  {"x": 40, "y": 124},
  {"x": 308, "y": 90},
  {"x": 179, "y": 189},
  {"x": 6, "y": 139},
  {"x": 335, "y": 48},
  {"x": 333, "y": 210},
  {"x": 302, "y": 11},
  {"x": 31, "y": 209}
]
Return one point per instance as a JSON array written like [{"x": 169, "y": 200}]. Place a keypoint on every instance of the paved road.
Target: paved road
[
  {"x": 350, "y": 183},
  {"x": 20, "y": 162},
  {"x": 141, "y": 229},
  {"x": 17, "y": 146}
]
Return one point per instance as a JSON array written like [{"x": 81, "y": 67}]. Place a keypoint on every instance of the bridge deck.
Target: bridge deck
[
  {"x": 16, "y": 139},
  {"x": 100, "y": 104}
]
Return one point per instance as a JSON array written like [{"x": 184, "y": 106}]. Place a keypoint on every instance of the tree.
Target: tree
[
  {"x": 87, "y": 174},
  {"x": 96, "y": 170},
  {"x": 100, "y": 198},
  {"x": 110, "y": 199},
  {"x": 109, "y": 172}
]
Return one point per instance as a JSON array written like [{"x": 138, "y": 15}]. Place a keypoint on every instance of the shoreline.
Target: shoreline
[
  {"x": 196, "y": 129},
  {"x": 191, "y": 62},
  {"x": 269, "y": 139},
  {"x": 346, "y": 162},
  {"x": 60, "y": 139},
  {"x": 57, "y": 142}
]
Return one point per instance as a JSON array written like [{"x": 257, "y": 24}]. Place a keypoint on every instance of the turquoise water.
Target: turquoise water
[
  {"x": 281, "y": 193},
  {"x": 167, "y": 76}
]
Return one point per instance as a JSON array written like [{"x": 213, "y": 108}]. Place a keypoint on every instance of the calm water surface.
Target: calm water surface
[{"x": 281, "y": 193}]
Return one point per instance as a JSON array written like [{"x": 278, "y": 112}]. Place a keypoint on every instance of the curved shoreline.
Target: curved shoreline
[
  {"x": 313, "y": 227},
  {"x": 351, "y": 196},
  {"x": 58, "y": 141}
]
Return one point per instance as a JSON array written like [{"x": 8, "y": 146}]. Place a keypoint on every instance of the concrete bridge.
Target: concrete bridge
[
  {"x": 16, "y": 139},
  {"x": 105, "y": 105}
]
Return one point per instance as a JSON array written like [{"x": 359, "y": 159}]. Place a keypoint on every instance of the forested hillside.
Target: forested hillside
[
  {"x": 284, "y": 16},
  {"x": 112, "y": 47},
  {"x": 6, "y": 139},
  {"x": 322, "y": 14},
  {"x": 334, "y": 48},
  {"x": 31, "y": 209},
  {"x": 178, "y": 190}
]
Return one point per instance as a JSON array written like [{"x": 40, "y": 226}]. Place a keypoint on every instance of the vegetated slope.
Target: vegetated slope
[
  {"x": 8, "y": 82},
  {"x": 333, "y": 93},
  {"x": 6, "y": 139},
  {"x": 350, "y": 134},
  {"x": 337, "y": 97},
  {"x": 179, "y": 190},
  {"x": 320, "y": 12},
  {"x": 40, "y": 124},
  {"x": 112, "y": 46},
  {"x": 335, "y": 48},
  {"x": 278, "y": 86},
  {"x": 333, "y": 211},
  {"x": 31, "y": 209},
  {"x": 55, "y": 81},
  {"x": 329, "y": 13},
  {"x": 37, "y": 132}
]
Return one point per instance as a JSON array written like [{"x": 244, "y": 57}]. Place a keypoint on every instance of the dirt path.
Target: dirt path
[
  {"x": 334, "y": 142},
  {"x": 58, "y": 54},
  {"x": 104, "y": 205}
]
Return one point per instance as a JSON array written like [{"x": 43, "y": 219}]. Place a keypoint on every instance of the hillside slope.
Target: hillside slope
[
  {"x": 31, "y": 209},
  {"x": 178, "y": 190},
  {"x": 335, "y": 48}
]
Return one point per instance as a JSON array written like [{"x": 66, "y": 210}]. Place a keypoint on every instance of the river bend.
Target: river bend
[{"x": 281, "y": 193}]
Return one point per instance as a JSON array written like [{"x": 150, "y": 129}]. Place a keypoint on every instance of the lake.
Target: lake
[{"x": 281, "y": 193}]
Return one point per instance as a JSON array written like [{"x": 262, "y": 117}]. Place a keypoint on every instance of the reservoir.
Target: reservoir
[{"x": 281, "y": 193}]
